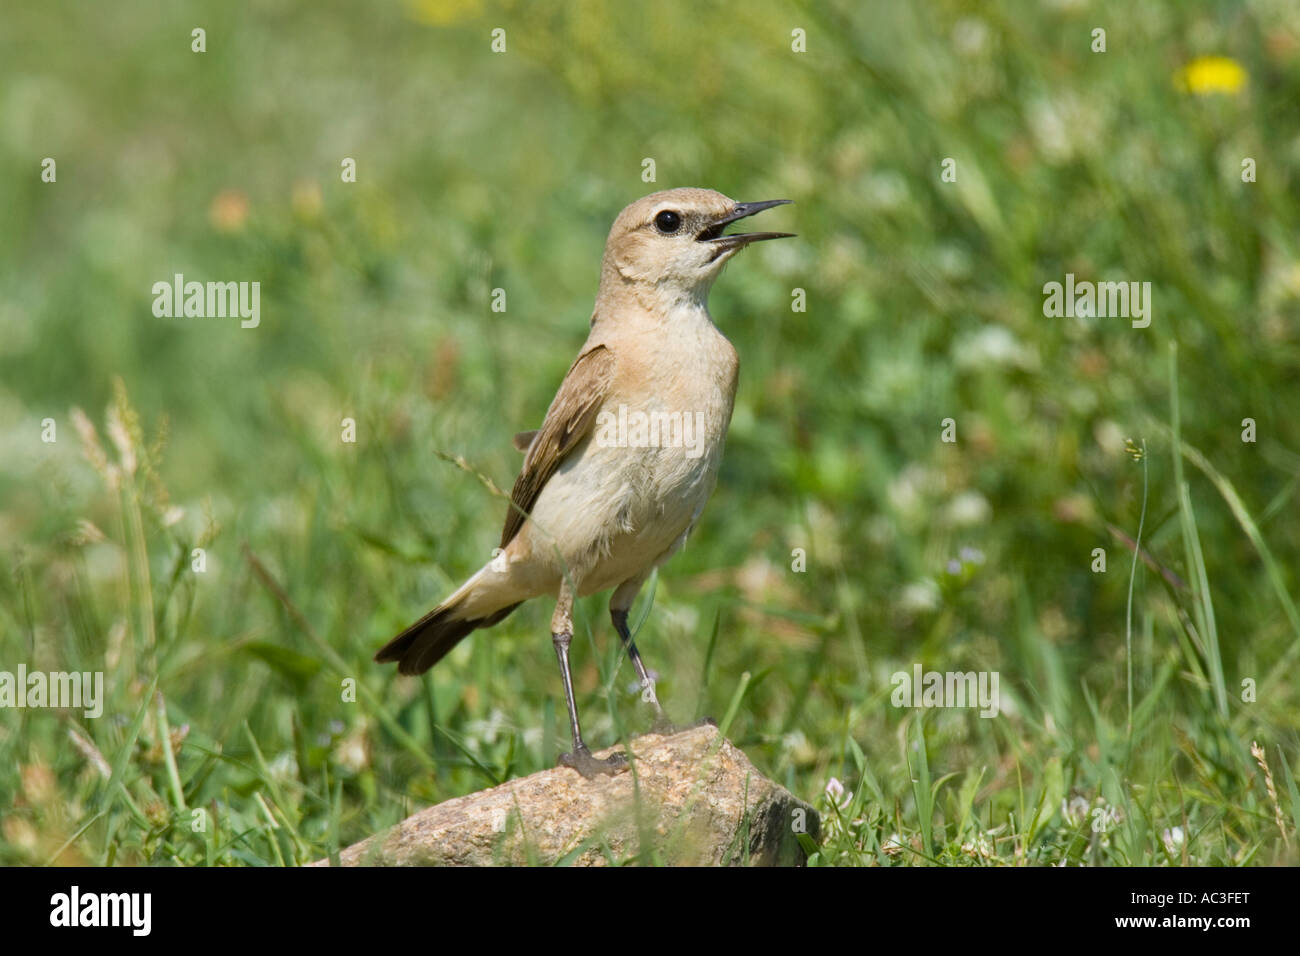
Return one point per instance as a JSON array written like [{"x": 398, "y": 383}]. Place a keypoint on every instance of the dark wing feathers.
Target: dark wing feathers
[{"x": 568, "y": 420}]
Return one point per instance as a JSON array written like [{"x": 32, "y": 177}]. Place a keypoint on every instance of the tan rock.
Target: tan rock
[{"x": 689, "y": 799}]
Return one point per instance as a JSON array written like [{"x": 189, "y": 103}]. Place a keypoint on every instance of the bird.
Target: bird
[{"x": 616, "y": 477}]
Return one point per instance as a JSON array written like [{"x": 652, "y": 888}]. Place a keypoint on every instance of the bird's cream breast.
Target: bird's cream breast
[{"x": 622, "y": 500}]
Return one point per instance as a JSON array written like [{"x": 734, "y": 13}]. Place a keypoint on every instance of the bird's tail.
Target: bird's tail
[{"x": 432, "y": 637}]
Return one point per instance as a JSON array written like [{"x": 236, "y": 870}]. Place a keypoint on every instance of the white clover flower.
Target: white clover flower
[
  {"x": 1075, "y": 811},
  {"x": 919, "y": 596},
  {"x": 837, "y": 795},
  {"x": 1173, "y": 839},
  {"x": 969, "y": 508},
  {"x": 980, "y": 847}
]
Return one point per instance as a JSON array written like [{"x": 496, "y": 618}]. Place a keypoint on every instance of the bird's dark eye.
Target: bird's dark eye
[{"x": 668, "y": 222}]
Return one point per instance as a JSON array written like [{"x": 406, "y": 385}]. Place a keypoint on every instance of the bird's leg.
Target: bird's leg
[
  {"x": 619, "y": 606},
  {"x": 620, "y": 603},
  {"x": 580, "y": 758},
  {"x": 619, "y": 617}
]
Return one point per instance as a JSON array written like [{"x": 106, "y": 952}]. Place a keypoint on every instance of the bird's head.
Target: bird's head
[{"x": 673, "y": 244}]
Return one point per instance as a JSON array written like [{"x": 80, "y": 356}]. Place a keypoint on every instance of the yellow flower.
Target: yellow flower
[
  {"x": 1212, "y": 74},
  {"x": 443, "y": 12}
]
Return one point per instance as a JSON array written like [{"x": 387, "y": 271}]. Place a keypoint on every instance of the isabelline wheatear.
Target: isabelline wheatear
[{"x": 600, "y": 503}]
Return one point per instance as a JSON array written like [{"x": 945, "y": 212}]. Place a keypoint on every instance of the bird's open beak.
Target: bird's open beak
[{"x": 713, "y": 234}]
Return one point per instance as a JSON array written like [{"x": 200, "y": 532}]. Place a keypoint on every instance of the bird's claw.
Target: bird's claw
[
  {"x": 581, "y": 760},
  {"x": 666, "y": 728}
]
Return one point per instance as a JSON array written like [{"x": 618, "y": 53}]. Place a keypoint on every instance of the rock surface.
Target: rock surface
[{"x": 689, "y": 799}]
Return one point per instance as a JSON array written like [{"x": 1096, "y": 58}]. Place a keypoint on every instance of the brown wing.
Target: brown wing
[{"x": 568, "y": 420}]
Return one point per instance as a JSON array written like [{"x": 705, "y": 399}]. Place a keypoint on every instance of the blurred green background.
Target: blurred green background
[{"x": 479, "y": 170}]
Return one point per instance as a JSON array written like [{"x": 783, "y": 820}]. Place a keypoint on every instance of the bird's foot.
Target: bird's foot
[
  {"x": 581, "y": 760},
  {"x": 666, "y": 728},
  {"x": 663, "y": 726}
]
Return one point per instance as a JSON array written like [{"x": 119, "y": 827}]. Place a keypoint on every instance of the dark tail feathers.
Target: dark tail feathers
[{"x": 432, "y": 637}]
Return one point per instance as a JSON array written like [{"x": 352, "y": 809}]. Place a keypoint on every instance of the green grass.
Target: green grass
[{"x": 1126, "y": 730}]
